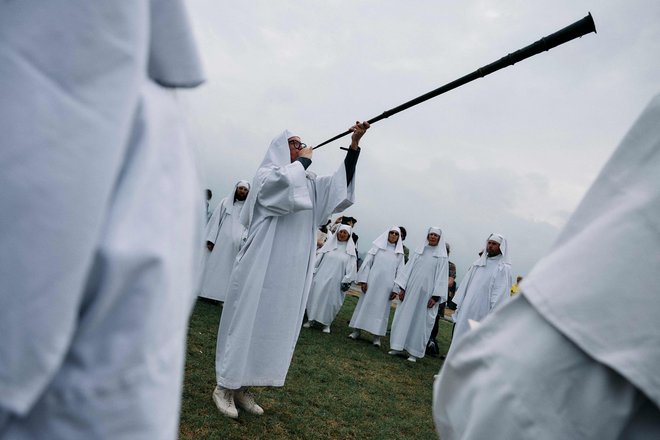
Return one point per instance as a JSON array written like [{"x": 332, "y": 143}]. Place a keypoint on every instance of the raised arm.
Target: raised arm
[{"x": 359, "y": 129}]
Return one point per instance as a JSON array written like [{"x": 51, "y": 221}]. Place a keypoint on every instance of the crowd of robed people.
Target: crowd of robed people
[{"x": 268, "y": 284}]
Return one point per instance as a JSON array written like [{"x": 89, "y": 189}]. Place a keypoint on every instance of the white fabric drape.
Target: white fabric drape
[{"x": 100, "y": 219}]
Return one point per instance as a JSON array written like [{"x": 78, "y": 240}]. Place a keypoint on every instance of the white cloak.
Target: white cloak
[
  {"x": 263, "y": 313},
  {"x": 226, "y": 232},
  {"x": 332, "y": 269},
  {"x": 425, "y": 275},
  {"x": 379, "y": 269},
  {"x": 580, "y": 346},
  {"x": 100, "y": 219},
  {"x": 517, "y": 377},
  {"x": 482, "y": 289}
]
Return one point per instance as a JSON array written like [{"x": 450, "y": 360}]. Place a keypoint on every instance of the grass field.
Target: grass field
[{"x": 336, "y": 388}]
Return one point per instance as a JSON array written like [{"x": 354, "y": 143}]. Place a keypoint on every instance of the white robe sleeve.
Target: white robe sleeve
[
  {"x": 284, "y": 189},
  {"x": 365, "y": 268},
  {"x": 213, "y": 225},
  {"x": 441, "y": 282},
  {"x": 351, "y": 270}
]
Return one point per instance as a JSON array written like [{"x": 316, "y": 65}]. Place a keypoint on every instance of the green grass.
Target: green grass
[{"x": 336, "y": 388}]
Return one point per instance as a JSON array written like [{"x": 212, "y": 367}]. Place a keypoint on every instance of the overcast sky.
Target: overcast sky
[{"x": 513, "y": 152}]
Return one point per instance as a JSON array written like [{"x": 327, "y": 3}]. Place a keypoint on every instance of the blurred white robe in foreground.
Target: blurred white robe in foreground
[
  {"x": 576, "y": 355},
  {"x": 425, "y": 275},
  {"x": 383, "y": 263},
  {"x": 100, "y": 218},
  {"x": 484, "y": 287},
  {"x": 226, "y": 232},
  {"x": 263, "y": 313},
  {"x": 336, "y": 264}
]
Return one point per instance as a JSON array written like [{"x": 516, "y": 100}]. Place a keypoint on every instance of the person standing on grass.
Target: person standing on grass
[
  {"x": 336, "y": 266},
  {"x": 383, "y": 263},
  {"x": 423, "y": 285},
  {"x": 484, "y": 287},
  {"x": 224, "y": 236},
  {"x": 268, "y": 289}
]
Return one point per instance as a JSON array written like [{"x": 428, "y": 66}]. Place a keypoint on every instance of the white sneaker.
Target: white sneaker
[
  {"x": 412, "y": 359},
  {"x": 224, "y": 401},
  {"x": 355, "y": 334},
  {"x": 245, "y": 400},
  {"x": 376, "y": 341},
  {"x": 326, "y": 329},
  {"x": 394, "y": 352},
  {"x": 308, "y": 324}
]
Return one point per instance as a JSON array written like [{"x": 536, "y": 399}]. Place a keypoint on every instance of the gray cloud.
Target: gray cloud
[{"x": 513, "y": 152}]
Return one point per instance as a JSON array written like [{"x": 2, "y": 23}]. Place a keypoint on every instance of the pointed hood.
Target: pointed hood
[
  {"x": 438, "y": 251},
  {"x": 383, "y": 240},
  {"x": 332, "y": 243}
]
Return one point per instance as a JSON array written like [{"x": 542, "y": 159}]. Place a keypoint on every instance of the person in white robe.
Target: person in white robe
[
  {"x": 263, "y": 313},
  {"x": 224, "y": 237},
  {"x": 579, "y": 362},
  {"x": 484, "y": 287},
  {"x": 335, "y": 270},
  {"x": 422, "y": 286},
  {"x": 384, "y": 261},
  {"x": 100, "y": 218}
]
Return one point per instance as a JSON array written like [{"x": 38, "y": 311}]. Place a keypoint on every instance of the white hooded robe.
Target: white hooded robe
[
  {"x": 226, "y": 232},
  {"x": 336, "y": 263},
  {"x": 483, "y": 288},
  {"x": 383, "y": 263},
  {"x": 263, "y": 313},
  {"x": 425, "y": 275}
]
